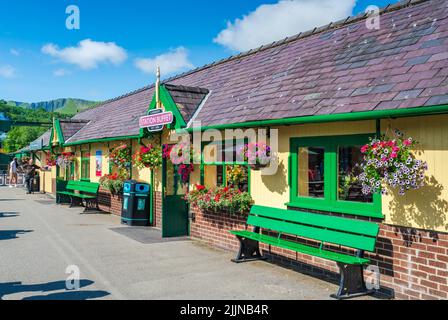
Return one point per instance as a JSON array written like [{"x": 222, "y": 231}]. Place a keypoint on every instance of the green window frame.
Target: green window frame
[
  {"x": 223, "y": 164},
  {"x": 330, "y": 201},
  {"x": 85, "y": 163}
]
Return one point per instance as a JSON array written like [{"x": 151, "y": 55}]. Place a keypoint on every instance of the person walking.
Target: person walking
[
  {"x": 13, "y": 166},
  {"x": 29, "y": 169}
]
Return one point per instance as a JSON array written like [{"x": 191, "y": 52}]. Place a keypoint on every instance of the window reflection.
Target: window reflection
[
  {"x": 349, "y": 188},
  {"x": 311, "y": 172}
]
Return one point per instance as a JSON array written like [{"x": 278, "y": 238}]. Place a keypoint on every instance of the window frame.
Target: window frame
[
  {"x": 223, "y": 163},
  {"x": 84, "y": 159},
  {"x": 330, "y": 201}
]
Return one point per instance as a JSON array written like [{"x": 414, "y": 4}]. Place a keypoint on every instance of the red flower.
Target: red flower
[{"x": 200, "y": 187}]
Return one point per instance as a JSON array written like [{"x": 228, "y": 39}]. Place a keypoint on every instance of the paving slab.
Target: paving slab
[{"x": 40, "y": 243}]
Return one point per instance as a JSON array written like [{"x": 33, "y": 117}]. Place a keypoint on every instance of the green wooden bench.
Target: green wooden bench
[
  {"x": 353, "y": 234},
  {"x": 79, "y": 192}
]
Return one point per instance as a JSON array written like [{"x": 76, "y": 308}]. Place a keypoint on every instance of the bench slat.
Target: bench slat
[
  {"x": 83, "y": 186},
  {"x": 330, "y": 236},
  {"x": 298, "y": 247},
  {"x": 337, "y": 223}
]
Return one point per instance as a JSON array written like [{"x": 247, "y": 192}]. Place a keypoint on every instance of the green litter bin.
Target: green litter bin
[{"x": 136, "y": 202}]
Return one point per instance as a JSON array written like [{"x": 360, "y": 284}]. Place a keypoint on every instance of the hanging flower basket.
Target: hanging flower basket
[
  {"x": 391, "y": 163},
  {"x": 148, "y": 157},
  {"x": 51, "y": 160},
  {"x": 184, "y": 162},
  {"x": 121, "y": 156},
  {"x": 258, "y": 155},
  {"x": 65, "y": 160}
]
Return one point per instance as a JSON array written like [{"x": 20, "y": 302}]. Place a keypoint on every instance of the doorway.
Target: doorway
[{"x": 175, "y": 221}]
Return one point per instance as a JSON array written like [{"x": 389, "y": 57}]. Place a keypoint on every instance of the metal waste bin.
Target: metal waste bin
[
  {"x": 35, "y": 183},
  {"x": 136, "y": 203}
]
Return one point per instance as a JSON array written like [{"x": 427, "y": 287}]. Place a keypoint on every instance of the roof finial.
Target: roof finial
[{"x": 158, "y": 102}]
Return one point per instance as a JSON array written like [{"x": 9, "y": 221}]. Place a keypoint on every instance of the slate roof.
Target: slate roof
[
  {"x": 115, "y": 118},
  {"x": 70, "y": 127},
  {"x": 340, "y": 68},
  {"x": 45, "y": 138},
  {"x": 187, "y": 99}
]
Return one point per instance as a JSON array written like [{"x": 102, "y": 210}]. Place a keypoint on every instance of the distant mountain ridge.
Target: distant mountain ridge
[{"x": 64, "y": 105}]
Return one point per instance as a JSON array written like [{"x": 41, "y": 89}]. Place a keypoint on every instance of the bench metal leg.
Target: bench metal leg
[
  {"x": 249, "y": 251},
  {"x": 352, "y": 282},
  {"x": 75, "y": 201},
  {"x": 91, "y": 205}
]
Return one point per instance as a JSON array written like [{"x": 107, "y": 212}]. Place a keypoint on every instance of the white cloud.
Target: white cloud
[
  {"x": 170, "y": 62},
  {"x": 272, "y": 22},
  {"x": 88, "y": 54},
  {"x": 7, "y": 71},
  {"x": 14, "y": 52},
  {"x": 61, "y": 72}
]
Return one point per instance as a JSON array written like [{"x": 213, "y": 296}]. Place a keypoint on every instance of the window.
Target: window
[
  {"x": 221, "y": 167},
  {"x": 324, "y": 174}
]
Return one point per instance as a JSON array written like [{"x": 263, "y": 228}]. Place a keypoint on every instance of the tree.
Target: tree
[{"x": 19, "y": 137}]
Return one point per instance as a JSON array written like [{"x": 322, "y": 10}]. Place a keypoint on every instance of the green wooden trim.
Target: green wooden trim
[
  {"x": 101, "y": 140},
  {"x": 51, "y": 136},
  {"x": 353, "y": 116},
  {"x": 330, "y": 201},
  {"x": 59, "y": 132},
  {"x": 86, "y": 160},
  {"x": 151, "y": 199},
  {"x": 130, "y": 169},
  {"x": 169, "y": 105}
]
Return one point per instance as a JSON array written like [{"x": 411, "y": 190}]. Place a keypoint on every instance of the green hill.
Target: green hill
[
  {"x": 19, "y": 137},
  {"x": 67, "y": 106}
]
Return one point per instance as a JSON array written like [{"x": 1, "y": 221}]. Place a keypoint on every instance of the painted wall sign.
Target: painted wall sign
[
  {"x": 99, "y": 163},
  {"x": 156, "y": 120}
]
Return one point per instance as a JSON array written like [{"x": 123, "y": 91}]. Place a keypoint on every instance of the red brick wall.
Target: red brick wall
[
  {"x": 110, "y": 203},
  {"x": 157, "y": 209},
  {"x": 413, "y": 263}
]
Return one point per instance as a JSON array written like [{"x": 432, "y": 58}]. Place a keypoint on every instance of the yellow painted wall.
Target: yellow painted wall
[
  {"x": 426, "y": 208},
  {"x": 273, "y": 191},
  {"x": 141, "y": 175},
  {"x": 46, "y": 183}
]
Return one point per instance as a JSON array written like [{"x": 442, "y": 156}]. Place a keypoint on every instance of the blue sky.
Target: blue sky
[{"x": 120, "y": 42}]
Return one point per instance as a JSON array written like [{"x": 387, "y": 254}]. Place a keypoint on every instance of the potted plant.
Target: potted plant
[
  {"x": 392, "y": 163},
  {"x": 258, "y": 155},
  {"x": 113, "y": 182},
  {"x": 220, "y": 199},
  {"x": 148, "y": 157}
]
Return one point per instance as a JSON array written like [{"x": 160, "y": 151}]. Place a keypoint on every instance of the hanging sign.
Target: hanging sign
[{"x": 156, "y": 120}]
